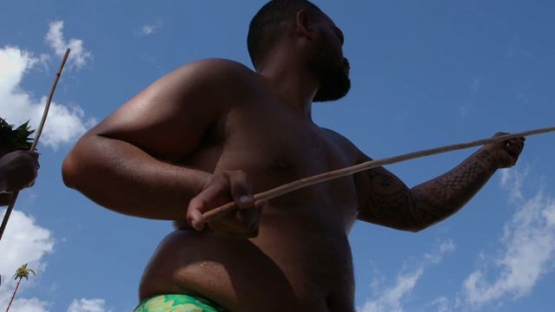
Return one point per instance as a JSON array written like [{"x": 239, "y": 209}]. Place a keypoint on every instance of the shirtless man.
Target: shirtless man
[{"x": 215, "y": 131}]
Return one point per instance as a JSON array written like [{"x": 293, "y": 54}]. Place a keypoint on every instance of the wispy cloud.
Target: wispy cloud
[
  {"x": 392, "y": 298},
  {"x": 65, "y": 122},
  {"x": 527, "y": 252},
  {"x": 28, "y": 305},
  {"x": 87, "y": 305},
  {"x": 441, "y": 304},
  {"x": 512, "y": 181},
  {"x": 78, "y": 57},
  {"x": 149, "y": 29},
  {"x": 470, "y": 101}
]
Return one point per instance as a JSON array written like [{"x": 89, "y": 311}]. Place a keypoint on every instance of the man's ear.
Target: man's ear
[{"x": 304, "y": 24}]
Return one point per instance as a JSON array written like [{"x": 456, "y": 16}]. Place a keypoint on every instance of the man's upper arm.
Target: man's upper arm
[
  {"x": 386, "y": 200},
  {"x": 169, "y": 118}
]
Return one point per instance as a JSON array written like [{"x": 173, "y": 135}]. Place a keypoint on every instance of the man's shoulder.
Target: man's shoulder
[
  {"x": 220, "y": 63},
  {"x": 339, "y": 139},
  {"x": 346, "y": 145},
  {"x": 217, "y": 68}
]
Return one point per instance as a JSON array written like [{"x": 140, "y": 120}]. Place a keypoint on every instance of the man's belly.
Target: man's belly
[{"x": 290, "y": 266}]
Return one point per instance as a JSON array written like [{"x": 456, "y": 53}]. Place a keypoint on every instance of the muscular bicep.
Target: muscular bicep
[
  {"x": 170, "y": 117},
  {"x": 387, "y": 200}
]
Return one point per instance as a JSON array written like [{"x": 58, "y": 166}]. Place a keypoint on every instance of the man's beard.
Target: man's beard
[{"x": 334, "y": 80}]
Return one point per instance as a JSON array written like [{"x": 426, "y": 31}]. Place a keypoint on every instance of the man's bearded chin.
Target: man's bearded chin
[{"x": 334, "y": 84}]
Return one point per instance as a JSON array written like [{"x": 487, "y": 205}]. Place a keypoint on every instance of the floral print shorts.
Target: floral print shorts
[{"x": 177, "y": 303}]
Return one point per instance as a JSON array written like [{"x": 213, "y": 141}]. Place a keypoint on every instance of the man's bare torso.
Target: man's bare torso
[
  {"x": 301, "y": 259},
  {"x": 164, "y": 155}
]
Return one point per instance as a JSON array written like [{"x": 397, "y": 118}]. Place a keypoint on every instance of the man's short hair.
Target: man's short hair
[{"x": 267, "y": 25}]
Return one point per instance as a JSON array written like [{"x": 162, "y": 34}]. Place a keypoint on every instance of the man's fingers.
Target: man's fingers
[
  {"x": 514, "y": 146},
  {"x": 220, "y": 189},
  {"x": 241, "y": 189},
  {"x": 199, "y": 205},
  {"x": 216, "y": 193},
  {"x": 510, "y": 151},
  {"x": 194, "y": 214}
]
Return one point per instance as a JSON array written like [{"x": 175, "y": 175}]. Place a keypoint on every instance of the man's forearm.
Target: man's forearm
[
  {"x": 123, "y": 178},
  {"x": 443, "y": 196}
]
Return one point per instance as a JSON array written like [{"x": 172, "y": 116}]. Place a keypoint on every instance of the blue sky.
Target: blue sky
[{"x": 424, "y": 73}]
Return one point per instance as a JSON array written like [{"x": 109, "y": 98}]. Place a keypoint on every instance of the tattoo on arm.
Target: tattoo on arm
[{"x": 391, "y": 203}]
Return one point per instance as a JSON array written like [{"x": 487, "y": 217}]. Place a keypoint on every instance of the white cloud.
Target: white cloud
[
  {"x": 392, "y": 298},
  {"x": 475, "y": 86},
  {"x": 512, "y": 181},
  {"x": 25, "y": 242},
  {"x": 64, "y": 123},
  {"x": 441, "y": 304},
  {"x": 78, "y": 56},
  {"x": 528, "y": 251},
  {"x": 28, "y": 305},
  {"x": 437, "y": 256},
  {"x": 87, "y": 305},
  {"x": 469, "y": 103},
  {"x": 149, "y": 29}
]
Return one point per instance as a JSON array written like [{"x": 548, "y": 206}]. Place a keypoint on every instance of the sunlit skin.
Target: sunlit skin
[{"x": 215, "y": 131}]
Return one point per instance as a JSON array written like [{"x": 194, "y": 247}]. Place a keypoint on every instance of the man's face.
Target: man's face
[{"x": 328, "y": 63}]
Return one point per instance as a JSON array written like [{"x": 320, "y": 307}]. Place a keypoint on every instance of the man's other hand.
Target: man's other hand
[{"x": 18, "y": 170}]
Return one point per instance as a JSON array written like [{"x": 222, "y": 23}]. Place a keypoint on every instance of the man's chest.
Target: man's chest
[
  {"x": 280, "y": 144},
  {"x": 275, "y": 149}
]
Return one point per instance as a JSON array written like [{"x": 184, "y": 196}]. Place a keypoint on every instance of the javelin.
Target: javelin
[
  {"x": 36, "y": 141},
  {"x": 319, "y": 178}
]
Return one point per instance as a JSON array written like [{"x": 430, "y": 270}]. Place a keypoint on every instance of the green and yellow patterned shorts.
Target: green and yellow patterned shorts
[{"x": 177, "y": 303}]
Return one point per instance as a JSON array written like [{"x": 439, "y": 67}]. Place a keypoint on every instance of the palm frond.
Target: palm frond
[
  {"x": 17, "y": 138},
  {"x": 22, "y": 272}
]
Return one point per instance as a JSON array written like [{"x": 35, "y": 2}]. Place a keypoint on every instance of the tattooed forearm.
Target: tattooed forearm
[
  {"x": 392, "y": 204},
  {"x": 446, "y": 194}
]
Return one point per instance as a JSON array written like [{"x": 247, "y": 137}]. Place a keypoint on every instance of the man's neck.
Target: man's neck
[{"x": 293, "y": 83}]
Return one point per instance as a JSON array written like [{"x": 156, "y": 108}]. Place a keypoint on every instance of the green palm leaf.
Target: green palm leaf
[
  {"x": 17, "y": 138},
  {"x": 22, "y": 272}
]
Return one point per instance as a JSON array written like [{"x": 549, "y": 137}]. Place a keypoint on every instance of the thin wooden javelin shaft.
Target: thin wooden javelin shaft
[
  {"x": 36, "y": 141},
  {"x": 319, "y": 178},
  {"x": 49, "y": 101}
]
